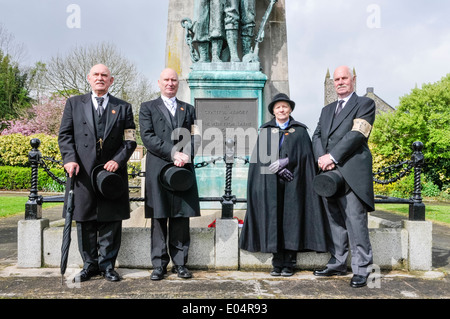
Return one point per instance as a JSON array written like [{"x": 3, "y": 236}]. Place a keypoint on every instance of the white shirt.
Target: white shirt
[
  {"x": 345, "y": 99},
  {"x": 105, "y": 100},
  {"x": 169, "y": 102},
  {"x": 284, "y": 125}
]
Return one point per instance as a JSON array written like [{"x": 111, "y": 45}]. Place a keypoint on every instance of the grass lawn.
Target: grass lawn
[
  {"x": 11, "y": 205},
  {"x": 439, "y": 212}
]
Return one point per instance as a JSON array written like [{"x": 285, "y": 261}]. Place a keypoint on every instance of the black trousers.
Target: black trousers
[
  {"x": 178, "y": 239},
  {"x": 283, "y": 257},
  {"x": 99, "y": 243}
]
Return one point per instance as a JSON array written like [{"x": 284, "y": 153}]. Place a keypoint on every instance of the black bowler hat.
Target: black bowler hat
[
  {"x": 176, "y": 178},
  {"x": 108, "y": 184},
  {"x": 329, "y": 183},
  {"x": 280, "y": 97}
]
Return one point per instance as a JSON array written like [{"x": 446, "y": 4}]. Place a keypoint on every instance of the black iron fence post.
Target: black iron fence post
[
  {"x": 228, "y": 200},
  {"x": 33, "y": 207},
  {"x": 417, "y": 207}
]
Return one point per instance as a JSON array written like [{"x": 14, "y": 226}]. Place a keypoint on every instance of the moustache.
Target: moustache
[{"x": 342, "y": 86}]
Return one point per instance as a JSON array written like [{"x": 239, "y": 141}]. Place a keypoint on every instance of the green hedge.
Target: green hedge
[
  {"x": 14, "y": 149},
  {"x": 404, "y": 188},
  {"x": 19, "y": 178}
]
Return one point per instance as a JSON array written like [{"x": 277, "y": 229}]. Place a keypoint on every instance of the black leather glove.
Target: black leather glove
[
  {"x": 279, "y": 167},
  {"x": 286, "y": 175}
]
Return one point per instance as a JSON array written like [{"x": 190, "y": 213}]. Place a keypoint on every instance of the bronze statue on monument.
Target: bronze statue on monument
[{"x": 213, "y": 35}]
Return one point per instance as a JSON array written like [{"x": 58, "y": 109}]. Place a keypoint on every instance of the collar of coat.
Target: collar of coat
[
  {"x": 112, "y": 113},
  {"x": 292, "y": 122}
]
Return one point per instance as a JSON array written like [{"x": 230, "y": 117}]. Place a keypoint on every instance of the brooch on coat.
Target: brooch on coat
[{"x": 286, "y": 132}]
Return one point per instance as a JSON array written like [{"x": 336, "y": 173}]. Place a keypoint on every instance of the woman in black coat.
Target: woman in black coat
[{"x": 284, "y": 214}]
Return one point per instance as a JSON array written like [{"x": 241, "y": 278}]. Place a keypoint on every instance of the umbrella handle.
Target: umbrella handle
[{"x": 72, "y": 180}]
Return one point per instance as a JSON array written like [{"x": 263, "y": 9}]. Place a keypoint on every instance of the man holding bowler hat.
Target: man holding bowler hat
[
  {"x": 341, "y": 150},
  {"x": 96, "y": 139},
  {"x": 169, "y": 133}
]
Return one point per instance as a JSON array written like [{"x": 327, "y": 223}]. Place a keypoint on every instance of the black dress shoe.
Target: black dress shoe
[
  {"x": 111, "y": 275},
  {"x": 182, "y": 271},
  {"x": 158, "y": 273},
  {"x": 85, "y": 275},
  {"x": 326, "y": 272},
  {"x": 287, "y": 271},
  {"x": 276, "y": 271},
  {"x": 358, "y": 281}
]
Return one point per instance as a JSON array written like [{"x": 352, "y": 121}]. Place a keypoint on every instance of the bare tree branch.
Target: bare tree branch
[{"x": 67, "y": 74}]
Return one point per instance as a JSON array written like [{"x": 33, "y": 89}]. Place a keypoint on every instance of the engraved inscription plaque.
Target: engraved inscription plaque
[{"x": 231, "y": 118}]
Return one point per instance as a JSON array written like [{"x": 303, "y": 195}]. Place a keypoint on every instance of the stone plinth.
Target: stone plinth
[
  {"x": 30, "y": 242},
  {"x": 419, "y": 244},
  {"x": 227, "y": 240},
  {"x": 39, "y": 245}
]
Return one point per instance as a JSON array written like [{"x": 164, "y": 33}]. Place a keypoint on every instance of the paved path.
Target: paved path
[{"x": 218, "y": 286}]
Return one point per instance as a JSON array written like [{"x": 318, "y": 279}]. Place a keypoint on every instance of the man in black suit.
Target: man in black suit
[
  {"x": 169, "y": 133},
  {"x": 97, "y": 132},
  {"x": 340, "y": 143}
]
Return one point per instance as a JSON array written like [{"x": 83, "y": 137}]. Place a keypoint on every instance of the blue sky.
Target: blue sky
[{"x": 394, "y": 45}]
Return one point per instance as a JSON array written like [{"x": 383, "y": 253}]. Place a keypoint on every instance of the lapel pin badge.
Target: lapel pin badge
[
  {"x": 113, "y": 111},
  {"x": 181, "y": 108}
]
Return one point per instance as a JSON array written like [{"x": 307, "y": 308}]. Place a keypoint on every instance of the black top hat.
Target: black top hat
[
  {"x": 280, "y": 97},
  {"x": 176, "y": 178},
  {"x": 329, "y": 183},
  {"x": 108, "y": 184}
]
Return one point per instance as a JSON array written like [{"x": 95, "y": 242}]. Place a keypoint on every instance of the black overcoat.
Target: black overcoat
[
  {"x": 77, "y": 143},
  {"x": 156, "y": 129},
  {"x": 348, "y": 147},
  {"x": 300, "y": 227}
]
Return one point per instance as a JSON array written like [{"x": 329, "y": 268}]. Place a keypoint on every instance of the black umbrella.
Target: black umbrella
[{"x": 67, "y": 230}]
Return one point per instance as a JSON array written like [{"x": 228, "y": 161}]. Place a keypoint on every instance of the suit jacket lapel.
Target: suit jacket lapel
[
  {"x": 351, "y": 103},
  {"x": 328, "y": 119},
  {"x": 87, "y": 108},
  {"x": 180, "y": 114},
  {"x": 112, "y": 113}
]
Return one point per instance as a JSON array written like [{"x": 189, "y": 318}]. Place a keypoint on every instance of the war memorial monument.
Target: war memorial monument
[{"x": 230, "y": 65}]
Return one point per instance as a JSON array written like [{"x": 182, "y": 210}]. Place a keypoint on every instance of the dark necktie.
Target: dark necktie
[
  {"x": 100, "y": 107},
  {"x": 339, "y": 108}
]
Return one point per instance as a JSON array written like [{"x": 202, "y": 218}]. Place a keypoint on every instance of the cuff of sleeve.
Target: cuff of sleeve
[{"x": 332, "y": 158}]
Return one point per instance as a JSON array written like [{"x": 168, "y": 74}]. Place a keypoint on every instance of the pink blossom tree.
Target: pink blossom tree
[{"x": 43, "y": 117}]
